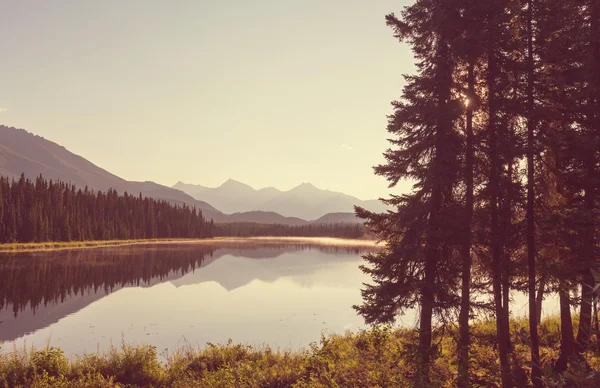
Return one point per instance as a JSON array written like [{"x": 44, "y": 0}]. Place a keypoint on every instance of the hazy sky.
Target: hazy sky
[{"x": 268, "y": 92}]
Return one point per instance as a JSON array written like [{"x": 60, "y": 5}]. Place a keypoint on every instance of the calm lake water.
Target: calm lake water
[
  {"x": 284, "y": 294},
  {"x": 258, "y": 292}
]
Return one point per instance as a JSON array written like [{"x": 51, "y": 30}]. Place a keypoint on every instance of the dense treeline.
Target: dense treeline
[
  {"x": 499, "y": 130},
  {"x": 252, "y": 229},
  {"x": 41, "y": 210}
]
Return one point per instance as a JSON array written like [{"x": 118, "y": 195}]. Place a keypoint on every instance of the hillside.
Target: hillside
[{"x": 24, "y": 152}]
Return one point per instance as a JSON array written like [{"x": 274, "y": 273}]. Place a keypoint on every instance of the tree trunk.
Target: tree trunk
[
  {"x": 540, "y": 299},
  {"x": 595, "y": 312},
  {"x": 506, "y": 304},
  {"x": 497, "y": 258},
  {"x": 585, "y": 312},
  {"x": 595, "y": 79},
  {"x": 434, "y": 243},
  {"x": 536, "y": 372},
  {"x": 425, "y": 331},
  {"x": 585, "y": 320},
  {"x": 566, "y": 331},
  {"x": 427, "y": 292},
  {"x": 501, "y": 333},
  {"x": 465, "y": 307}
]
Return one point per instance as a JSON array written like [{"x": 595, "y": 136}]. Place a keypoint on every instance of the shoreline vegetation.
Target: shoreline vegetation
[
  {"x": 380, "y": 356},
  {"x": 61, "y": 245}
]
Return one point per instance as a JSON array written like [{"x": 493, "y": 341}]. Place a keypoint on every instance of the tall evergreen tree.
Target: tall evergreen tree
[
  {"x": 420, "y": 234},
  {"x": 470, "y": 53},
  {"x": 531, "y": 246}
]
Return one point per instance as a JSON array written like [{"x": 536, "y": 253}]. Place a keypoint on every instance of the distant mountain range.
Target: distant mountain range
[
  {"x": 304, "y": 201},
  {"x": 24, "y": 152}
]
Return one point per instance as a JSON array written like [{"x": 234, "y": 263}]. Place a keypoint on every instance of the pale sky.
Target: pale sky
[{"x": 268, "y": 92}]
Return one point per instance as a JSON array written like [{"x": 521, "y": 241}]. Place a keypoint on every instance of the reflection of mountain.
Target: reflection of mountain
[
  {"x": 39, "y": 289},
  {"x": 291, "y": 262},
  {"x": 30, "y": 320}
]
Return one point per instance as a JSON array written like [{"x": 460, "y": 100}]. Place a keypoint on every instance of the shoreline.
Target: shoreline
[
  {"x": 73, "y": 245},
  {"x": 376, "y": 356}
]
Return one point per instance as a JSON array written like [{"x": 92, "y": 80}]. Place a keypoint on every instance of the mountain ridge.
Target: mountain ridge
[
  {"x": 33, "y": 155},
  {"x": 305, "y": 200},
  {"x": 24, "y": 152}
]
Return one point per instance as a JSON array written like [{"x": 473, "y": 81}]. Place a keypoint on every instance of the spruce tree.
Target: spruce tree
[{"x": 418, "y": 266}]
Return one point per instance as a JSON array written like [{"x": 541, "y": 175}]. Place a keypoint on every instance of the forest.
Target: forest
[
  {"x": 42, "y": 210},
  {"x": 498, "y": 130}
]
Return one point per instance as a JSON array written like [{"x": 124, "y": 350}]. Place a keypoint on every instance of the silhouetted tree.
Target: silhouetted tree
[
  {"x": 519, "y": 169},
  {"x": 419, "y": 264}
]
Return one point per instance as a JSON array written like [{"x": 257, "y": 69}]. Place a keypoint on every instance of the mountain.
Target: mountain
[
  {"x": 24, "y": 152},
  {"x": 304, "y": 201},
  {"x": 232, "y": 196}
]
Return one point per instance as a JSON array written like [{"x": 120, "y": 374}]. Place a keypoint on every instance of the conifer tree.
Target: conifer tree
[
  {"x": 470, "y": 52},
  {"x": 531, "y": 219},
  {"x": 419, "y": 263}
]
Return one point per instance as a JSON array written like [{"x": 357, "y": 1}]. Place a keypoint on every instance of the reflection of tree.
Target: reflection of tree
[
  {"x": 266, "y": 251},
  {"x": 35, "y": 279},
  {"x": 28, "y": 282},
  {"x": 253, "y": 229}
]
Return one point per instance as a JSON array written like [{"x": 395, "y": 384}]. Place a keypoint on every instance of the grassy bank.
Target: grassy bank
[
  {"x": 374, "y": 358},
  {"x": 52, "y": 246},
  {"x": 48, "y": 246}
]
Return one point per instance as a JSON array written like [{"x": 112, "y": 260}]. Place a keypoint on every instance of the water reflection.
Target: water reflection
[{"x": 283, "y": 294}]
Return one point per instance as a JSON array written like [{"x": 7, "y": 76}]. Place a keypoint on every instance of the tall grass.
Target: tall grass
[{"x": 378, "y": 357}]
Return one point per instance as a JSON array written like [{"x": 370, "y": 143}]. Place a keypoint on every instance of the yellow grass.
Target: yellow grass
[{"x": 53, "y": 246}]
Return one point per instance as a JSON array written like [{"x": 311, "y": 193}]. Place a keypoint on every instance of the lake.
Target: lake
[
  {"x": 256, "y": 291},
  {"x": 277, "y": 292}
]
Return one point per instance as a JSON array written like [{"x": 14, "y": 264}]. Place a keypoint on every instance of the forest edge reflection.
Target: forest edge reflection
[{"x": 48, "y": 280}]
